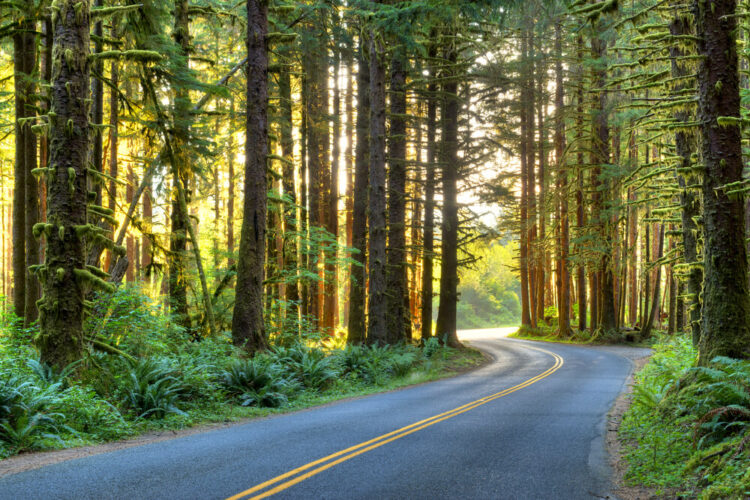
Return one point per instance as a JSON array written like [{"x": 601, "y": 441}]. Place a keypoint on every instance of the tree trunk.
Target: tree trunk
[
  {"x": 429, "y": 200},
  {"x": 689, "y": 201},
  {"x": 330, "y": 315},
  {"x": 290, "y": 205},
  {"x": 377, "y": 331},
  {"x": 21, "y": 87},
  {"x": 64, "y": 276},
  {"x": 181, "y": 124},
  {"x": 726, "y": 303},
  {"x": 656, "y": 302},
  {"x": 358, "y": 276},
  {"x": 446, "y": 319},
  {"x": 31, "y": 209},
  {"x": 524, "y": 211},
  {"x": 248, "y": 329},
  {"x": 399, "y": 321},
  {"x": 562, "y": 179}
]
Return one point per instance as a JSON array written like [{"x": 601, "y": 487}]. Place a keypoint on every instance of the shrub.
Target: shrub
[
  {"x": 25, "y": 419},
  {"x": 257, "y": 381},
  {"x": 151, "y": 389}
]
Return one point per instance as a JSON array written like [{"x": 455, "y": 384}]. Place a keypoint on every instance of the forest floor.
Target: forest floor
[{"x": 462, "y": 361}]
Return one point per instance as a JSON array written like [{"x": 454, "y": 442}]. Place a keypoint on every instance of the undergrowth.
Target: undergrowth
[
  {"x": 155, "y": 375},
  {"x": 687, "y": 431}
]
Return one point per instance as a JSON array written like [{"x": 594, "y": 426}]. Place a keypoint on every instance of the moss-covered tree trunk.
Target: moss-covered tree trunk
[
  {"x": 690, "y": 202},
  {"x": 64, "y": 275},
  {"x": 399, "y": 320},
  {"x": 358, "y": 277},
  {"x": 181, "y": 130},
  {"x": 580, "y": 209},
  {"x": 726, "y": 303},
  {"x": 248, "y": 329}
]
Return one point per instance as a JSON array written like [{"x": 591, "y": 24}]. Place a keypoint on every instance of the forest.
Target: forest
[{"x": 213, "y": 209}]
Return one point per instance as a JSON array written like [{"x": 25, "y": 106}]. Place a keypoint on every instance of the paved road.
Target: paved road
[{"x": 529, "y": 425}]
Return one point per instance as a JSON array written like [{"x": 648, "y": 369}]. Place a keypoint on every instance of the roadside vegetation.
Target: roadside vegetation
[
  {"x": 687, "y": 431},
  {"x": 155, "y": 376}
]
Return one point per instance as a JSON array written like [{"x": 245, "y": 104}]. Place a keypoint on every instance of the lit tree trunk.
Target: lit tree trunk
[
  {"x": 290, "y": 207},
  {"x": 446, "y": 319},
  {"x": 429, "y": 201},
  {"x": 178, "y": 237},
  {"x": 524, "y": 211},
  {"x": 726, "y": 303},
  {"x": 248, "y": 329},
  {"x": 330, "y": 314},
  {"x": 64, "y": 276},
  {"x": 399, "y": 321},
  {"x": 349, "y": 162},
  {"x": 113, "y": 139},
  {"x": 562, "y": 179},
  {"x": 31, "y": 292},
  {"x": 230, "y": 194},
  {"x": 377, "y": 331},
  {"x": 656, "y": 302},
  {"x": 358, "y": 277},
  {"x": 580, "y": 210}
]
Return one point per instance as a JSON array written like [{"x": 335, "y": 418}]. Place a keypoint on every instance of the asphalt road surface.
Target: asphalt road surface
[{"x": 530, "y": 425}]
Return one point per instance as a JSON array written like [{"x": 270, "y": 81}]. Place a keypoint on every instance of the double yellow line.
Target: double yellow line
[{"x": 298, "y": 475}]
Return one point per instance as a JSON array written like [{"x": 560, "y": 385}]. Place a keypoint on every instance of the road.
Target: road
[{"x": 529, "y": 425}]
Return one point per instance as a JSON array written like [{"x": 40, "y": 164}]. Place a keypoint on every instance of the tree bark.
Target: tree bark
[
  {"x": 446, "y": 319},
  {"x": 377, "y": 331},
  {"x": 399, "y": 320},
  {"x": 726, "y": 303},
  {"x": 248, "y": 329},
  {"x": 358, "y": 277},
  {"x": 429, "y": 201},
  {"x": 64, "y": 275}
]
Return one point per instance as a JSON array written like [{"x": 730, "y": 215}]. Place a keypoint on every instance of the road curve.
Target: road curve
[{"x": 528, "y": 425}]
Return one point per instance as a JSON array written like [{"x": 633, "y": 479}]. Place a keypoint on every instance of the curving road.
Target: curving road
[{"x": 529, "y": 425}]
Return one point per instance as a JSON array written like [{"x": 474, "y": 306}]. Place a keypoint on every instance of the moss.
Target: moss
[
  {"x": 60, "y": 273},
  {"x": 85, "y": 277}
]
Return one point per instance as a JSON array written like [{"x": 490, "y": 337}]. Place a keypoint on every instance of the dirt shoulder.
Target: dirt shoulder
[{"x": 615, "y": 449}]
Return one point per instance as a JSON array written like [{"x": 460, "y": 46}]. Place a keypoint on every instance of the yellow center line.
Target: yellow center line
[{"x": 353, "y": 451}]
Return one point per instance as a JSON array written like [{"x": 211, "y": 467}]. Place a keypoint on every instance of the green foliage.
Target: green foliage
[
  {"x": 689, "y": 427},
  {"x": 258, "y": 381},
  {"x": 152, "y": 390}
]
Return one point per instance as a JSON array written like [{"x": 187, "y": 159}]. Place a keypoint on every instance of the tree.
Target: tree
[{"x": 248, "y": 329}]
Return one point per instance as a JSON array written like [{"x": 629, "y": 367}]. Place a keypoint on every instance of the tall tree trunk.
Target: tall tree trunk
[
  {"x": 726, "y": 303},
  {"x": 330, "y": 316},
  {"x": 653, "y": 314},
  {"x": 358, "y": 276},
  {"x": 349, "y": 162},
  {"x": 608, "y": 313},
  {"x": 248, "y": 329},
  {"x": 290, "y": 206},
  {"x": 690, "y": 202},
  {"x": 580, "y": 210},
  {"x": 429, "y": 200},
  {"x": 230, "y": 194},
  {"x": 562, "y": 179},
  {"x": 525, "y": 188},
  {"x": 22, "y": 88},
  {"x": 64, "y": 276},
  {"x": 377, "y": 331},
  {"x": 399, "y": 321},
  {"x": 31, "y": 292},
  {"x": 181, "y": 124},
  {"x": 446, "y": 319}
]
